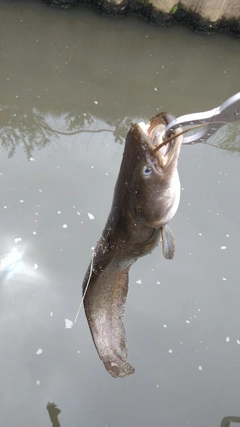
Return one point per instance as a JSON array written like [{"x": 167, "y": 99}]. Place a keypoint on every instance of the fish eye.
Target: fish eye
[{"x": 147, "y": 170}]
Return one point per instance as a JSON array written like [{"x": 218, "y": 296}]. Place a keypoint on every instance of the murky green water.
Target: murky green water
[{"x": 75, "y": 71}]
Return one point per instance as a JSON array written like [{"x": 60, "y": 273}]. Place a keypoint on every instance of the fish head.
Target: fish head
[{"x": 154, "y": 190}]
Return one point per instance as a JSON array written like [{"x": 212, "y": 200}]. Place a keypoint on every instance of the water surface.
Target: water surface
[{"x": 78, "y": 72}]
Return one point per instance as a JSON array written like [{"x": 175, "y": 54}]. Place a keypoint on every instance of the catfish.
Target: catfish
[{"x": 146, "y": 197}]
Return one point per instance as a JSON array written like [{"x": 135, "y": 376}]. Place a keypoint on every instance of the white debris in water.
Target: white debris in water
[
  {"x": 21, "y": 201},
  {"x": 158, "y": 283},
  {"x": 35, "y": 266},
  {"x": 32, "y": 159},
  {"x": 96, "y": 102},
  {"x": 157, "y": 385},
  {"x": 59, "y": 212},
  {"x": 200, "y": 234},
  {"x": 92, "y": 167},
  {"x": 165, "y": 326},
  {"x": 40, "y": 191},
  {"x": 170, "y": 351},
  {"x": 78, "y": 351},
  {"x": 90, "y": 216},
  {"x": 106, "y": 173},
  {"x": 38, "y": 382},
  {"x": 139, "y": 281},
  {"x": 5, "y": 207},
  {"x": 155, "y": 89},
  {"x": 39, "y": 351},
  {"x": 200, "y": 368},
  {"x": 238, "y": 341},
  {"x": 223, "y": 247},
  {"x": 64, "y": 225},
  {"x": 68, "y": 324},
  {"x": 227, "y": 235},
  {"x": 78, "y": 213},
  {"x": 17, "y": 239},
  {"x": 34, "y": 233},
  {"x": 51, "y": 314},
  {"x": 224, "y": 278},
  {"x": 187, "y": 321},
  {"x": 227, "y": 339}
]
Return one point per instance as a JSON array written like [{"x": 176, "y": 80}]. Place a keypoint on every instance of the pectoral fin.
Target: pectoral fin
[{"x": 168, "y": 242}]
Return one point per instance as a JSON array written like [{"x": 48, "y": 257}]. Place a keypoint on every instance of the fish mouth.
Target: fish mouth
[{"x": 154, "y": 130}]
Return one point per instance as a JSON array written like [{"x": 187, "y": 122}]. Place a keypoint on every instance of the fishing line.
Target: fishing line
[{"x": 86, "y": 288}]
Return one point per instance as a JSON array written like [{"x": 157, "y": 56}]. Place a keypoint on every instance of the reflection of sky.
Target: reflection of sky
[
  {"x": 11, "y": 263},
  {"x": 15, "y": 266}
]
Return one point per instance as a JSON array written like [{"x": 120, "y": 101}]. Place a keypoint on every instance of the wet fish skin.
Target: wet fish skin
[{"x": 146, "y": 197}]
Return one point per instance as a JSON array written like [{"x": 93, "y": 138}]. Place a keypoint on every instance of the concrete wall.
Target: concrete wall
[
  {"x": 207, "y": 16},
  {"x": 212, "y": 10}
]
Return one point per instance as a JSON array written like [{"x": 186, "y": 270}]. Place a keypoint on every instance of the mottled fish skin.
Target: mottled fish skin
[{"x": 146, "y": 197}]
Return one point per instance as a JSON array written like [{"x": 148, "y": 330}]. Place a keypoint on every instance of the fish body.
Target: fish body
[{"x": 146, "y": 197}]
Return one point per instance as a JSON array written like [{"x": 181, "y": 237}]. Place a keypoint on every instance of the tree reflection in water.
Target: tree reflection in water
[
  {"x": 31, "y": 129},
  {"x": 23, "y": 127},
  {"x": 53, "y": 411}
]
